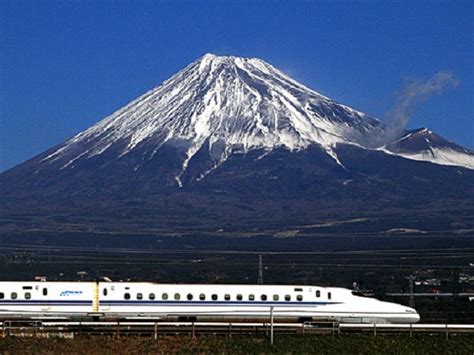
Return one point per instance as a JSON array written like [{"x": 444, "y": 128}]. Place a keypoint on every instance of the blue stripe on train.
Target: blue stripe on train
[{"x": 153, "y": 303}]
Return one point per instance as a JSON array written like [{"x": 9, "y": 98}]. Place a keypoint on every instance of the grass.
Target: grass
[{"x": 284, "y": 344}]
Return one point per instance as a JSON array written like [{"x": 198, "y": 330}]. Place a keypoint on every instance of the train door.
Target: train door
[
  {"x": 44, "y": 295},
  {"x": 106, "y": 296}
]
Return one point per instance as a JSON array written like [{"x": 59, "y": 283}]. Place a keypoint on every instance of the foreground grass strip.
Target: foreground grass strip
[{"x": 284, "y": 344}]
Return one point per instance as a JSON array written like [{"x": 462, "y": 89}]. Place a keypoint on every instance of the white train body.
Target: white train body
[{"x": 125, "y": 300}]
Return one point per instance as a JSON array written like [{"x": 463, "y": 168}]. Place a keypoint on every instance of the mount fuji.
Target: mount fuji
[{"x": 234, "y": 141}]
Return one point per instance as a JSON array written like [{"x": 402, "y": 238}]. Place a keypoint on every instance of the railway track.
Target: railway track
[{"x": 68, "y": 329}]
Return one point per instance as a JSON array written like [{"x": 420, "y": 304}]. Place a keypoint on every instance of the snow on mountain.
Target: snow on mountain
[
  {"x": 227, "y": 104},
  {"x": 425, "y": 145}
]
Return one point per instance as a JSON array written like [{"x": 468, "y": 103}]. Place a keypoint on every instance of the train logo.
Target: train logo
[{"x": 70, "y": 293}]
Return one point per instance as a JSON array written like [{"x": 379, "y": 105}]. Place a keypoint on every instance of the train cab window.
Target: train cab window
[
  {"x": 239, "y": 297},
  {"x": 214, "y": 297},
  {"x": 151, "y": 296},
  {"x": 45, "y": 291},
  {"x": 177, "y": 296},
  {"x": 202, "y": 297},
  {"x": 190, "y": 297},
  {"x": 139, "y": 296},
  {"x": 164, "y": 296},
  {"x": 227, "y": 297},
  {"x": 14, "y": 295},
  {"x": 104, "y": 292},
  {"x": 329, "y": 295},
  {"x": 263, "y": 297},
  {"x": 299, "y": 298},
  {"x": 318, "y": 293},
  {"x": 287, "y": 298},
  {"x": 126, "y": 296},
  {"x": 276, "y": 297},
  {"x": 2, "y": 295},
  {"x": 27, "y": 295},
  {"x": 251, "y": 297}
]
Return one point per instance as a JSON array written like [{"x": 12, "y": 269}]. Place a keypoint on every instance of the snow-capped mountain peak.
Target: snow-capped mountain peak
[
  {"x": 221, "y": 105},
  {"x": 228, "y": 103}
]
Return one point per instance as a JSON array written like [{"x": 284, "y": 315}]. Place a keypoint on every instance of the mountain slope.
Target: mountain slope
[
  {"x": 236, "y": 140},
  {"x": 425, "y": 145}
]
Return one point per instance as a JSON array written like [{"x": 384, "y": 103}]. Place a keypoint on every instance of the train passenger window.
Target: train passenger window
[
  {"x": 263, "y": 297},
  {"x": 190, "y": 297},
  {"x": 227, "y": 297},
  {"x": 239, "y": 297},
  {"x": 276, "y": 297},
  {"x": 14, "y": 296},
  {"x": 287, "y": 298},
  {"x": 164, "y": 296},
  {"x": 139, "y": 296},
  {"x": 214, "y": 297},
  {"x": 2, "y": 295},
  {"x": 177, "y": 296},
  {"x": 329, "y": 295},
  {"x": 126, "y": 296},
  {"x": 318, "y": 293},
  {"x": 45, "y": 291},
  {"x": 27, "y": 295},
  {"x": 104, "y": 292},
  {"x": 251, "y": 297},
  {"x": 202, "y": 296},
  {"x": 151, "y": 296},
  {"x": 299, "y": 298}
]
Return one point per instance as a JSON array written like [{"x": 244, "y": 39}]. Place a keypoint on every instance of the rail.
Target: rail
[{"x": 72, "y": 329}]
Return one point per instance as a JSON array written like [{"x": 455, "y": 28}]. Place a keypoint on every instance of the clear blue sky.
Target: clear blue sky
[{"x": 64, "y": 65}]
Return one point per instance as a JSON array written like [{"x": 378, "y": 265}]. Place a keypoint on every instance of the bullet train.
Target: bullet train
[{"x": 143, "y": 300}]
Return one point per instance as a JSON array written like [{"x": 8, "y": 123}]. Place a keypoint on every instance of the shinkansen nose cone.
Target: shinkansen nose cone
[{"x": 403, "y": 315}]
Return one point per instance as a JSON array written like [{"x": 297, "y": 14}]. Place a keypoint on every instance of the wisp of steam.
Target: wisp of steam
[{"x": 414, "y": 92}]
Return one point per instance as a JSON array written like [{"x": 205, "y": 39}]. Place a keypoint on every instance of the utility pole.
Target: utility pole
[
  {"x": 260, "y": 270},
  {"x": 411, "y": 300}
]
